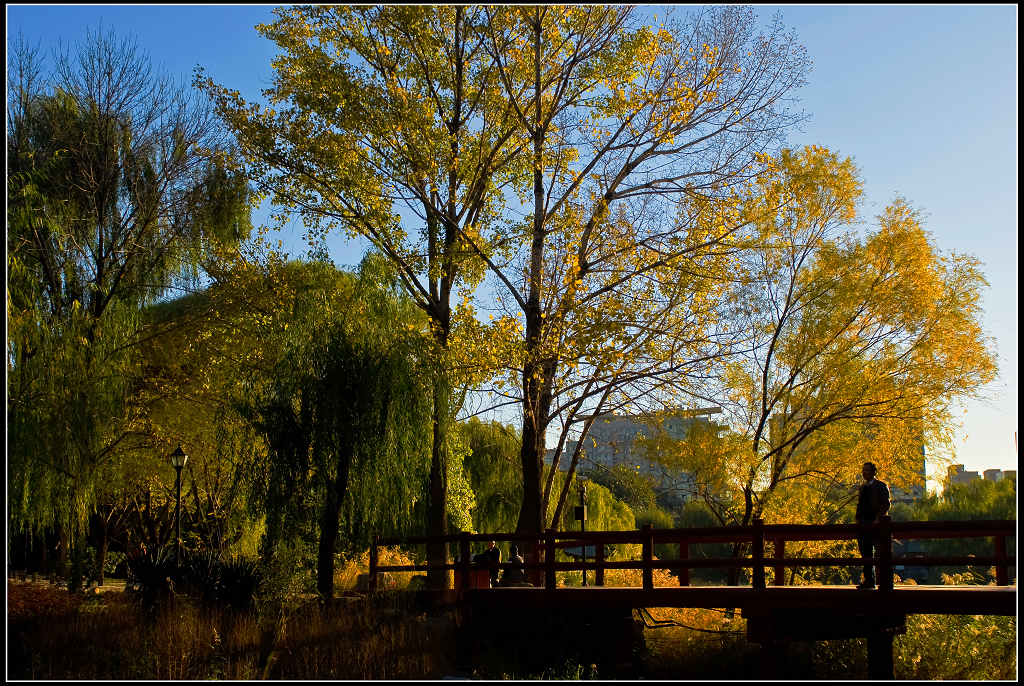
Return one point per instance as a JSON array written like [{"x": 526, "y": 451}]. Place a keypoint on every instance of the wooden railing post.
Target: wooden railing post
[
  {"x": 464, "y": 561},
  {"x": 885, "y": 553},
  {"x": 648, "y": 553},
  {"x": 684, "y": 554},
  {"x": 599, "y": 559},
  {"x": 1002, "y": 574},
  {"x": 371, "y": 585},
  {"x": 549, "y": 560},
  {"x": 757, "y": 553},
  {"x": 779, "y": 552}
]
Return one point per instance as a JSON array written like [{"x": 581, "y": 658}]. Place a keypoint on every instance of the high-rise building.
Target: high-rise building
[
  {"x": 992, "y": 474},
  {"x": 611, "y": 441},
  {"x": 958, "y": 475}
]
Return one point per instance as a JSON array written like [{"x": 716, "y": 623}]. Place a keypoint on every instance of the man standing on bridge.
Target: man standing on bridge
[{"x": 872, "y": 503}]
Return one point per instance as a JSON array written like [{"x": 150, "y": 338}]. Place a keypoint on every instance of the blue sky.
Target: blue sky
[{"x": 924, "y": 98}]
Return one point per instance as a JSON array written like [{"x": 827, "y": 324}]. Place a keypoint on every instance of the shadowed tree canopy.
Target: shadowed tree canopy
[
  {"x": 340, "y": 395},
  {"x": 117, "y": 187}
]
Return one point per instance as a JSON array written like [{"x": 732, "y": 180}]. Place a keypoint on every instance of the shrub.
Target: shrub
[
  {"x": 151, "y": 575},
  {"x": 240, "y": 581},
  {"x": 217, "y": 581}
]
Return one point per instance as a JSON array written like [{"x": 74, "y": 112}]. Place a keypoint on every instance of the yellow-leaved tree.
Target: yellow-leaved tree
[
  {"x": 593, "y": 165},
  {"x": 390, "y": 127},
  {"x": 858, "y": 347},
  {"x": 641, "y": 141}
]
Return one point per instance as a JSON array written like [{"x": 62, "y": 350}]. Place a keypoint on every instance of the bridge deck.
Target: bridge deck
[{"x": 993, "y": 600}]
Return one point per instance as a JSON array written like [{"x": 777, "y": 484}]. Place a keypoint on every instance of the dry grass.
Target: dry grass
[
  {"x": 346, "y": 574},
  {"x": 109, "y": 637}
]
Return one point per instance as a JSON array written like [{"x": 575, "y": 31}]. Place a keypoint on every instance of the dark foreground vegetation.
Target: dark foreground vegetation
[
  {"x": 934, "y": 647},
  {"x": 110, "y": 635},
  {"x": 113, "y": 635}
]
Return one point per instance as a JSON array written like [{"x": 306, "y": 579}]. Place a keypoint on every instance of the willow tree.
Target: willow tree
[
  {"x": 391, "y": 127},
  {"x": 305, "y": 393},
  {"x": 641, "y": 142},
  {"x": 345, "y": 411},
  {"x": 116, "y": 188}
]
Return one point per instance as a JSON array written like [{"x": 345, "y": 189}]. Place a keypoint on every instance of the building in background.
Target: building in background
[
  {"x": 956, "y": 474},
  {"x": 999, "y": 474},
  {"x": 611, "y": 442}
]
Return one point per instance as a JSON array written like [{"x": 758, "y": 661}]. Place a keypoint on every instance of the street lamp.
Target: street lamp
[{"x": 178, "y": 460}]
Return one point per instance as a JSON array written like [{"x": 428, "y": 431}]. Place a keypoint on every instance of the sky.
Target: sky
[{"x": 923, "y": 98}]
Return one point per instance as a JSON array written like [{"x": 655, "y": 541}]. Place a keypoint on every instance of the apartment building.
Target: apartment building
[{"x": 612, "y": 441}]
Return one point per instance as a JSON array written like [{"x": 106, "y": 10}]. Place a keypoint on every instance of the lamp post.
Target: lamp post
[{"x": 178, "y": 460}]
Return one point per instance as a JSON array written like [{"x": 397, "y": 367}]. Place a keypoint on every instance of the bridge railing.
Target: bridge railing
[{"x": 756, "y": 536}]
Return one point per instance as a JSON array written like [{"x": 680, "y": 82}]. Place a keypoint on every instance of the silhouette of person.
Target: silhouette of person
[
  {"x": 872, "y": 503},
  {"x": 515, "y": 573},
  {"x": 490, "y": 558}
]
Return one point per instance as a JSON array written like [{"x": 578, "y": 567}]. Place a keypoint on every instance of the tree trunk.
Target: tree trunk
[
  {"x": 333, "y": 501},
  {"x": 437, "y": 511},
  {"x": 531, "y": 519},
  {"x": 75, "y": 571},
  {"x": 325, "y": 551},
  {"x": 101, "y": 550},
  {"x": 61, "y": 569},
  {"x": 44, "y": 560}
]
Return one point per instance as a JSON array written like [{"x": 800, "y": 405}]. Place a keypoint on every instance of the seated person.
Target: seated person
[
  {"x": 490, "y": 558},
  {"x": 515, "y": 572}
]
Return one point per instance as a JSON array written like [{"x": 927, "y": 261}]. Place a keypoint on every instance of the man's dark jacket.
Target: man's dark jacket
[{"x": 872, "y": 501}]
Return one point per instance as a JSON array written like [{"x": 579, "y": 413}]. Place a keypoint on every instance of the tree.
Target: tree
[
  {"x": 323, "y": 376},
  {"x": 493, "y": 472},
  {"x": 626, "y": 484},
  {"x": 639, "y": 142},
  {"x": 116, "y": 187},
  {"x": 858, "y": 347},
  {"x": 492, "y": 469},
  {"x": 979, "y": 499},
  {"x": 601, "y": 127},
  {"x": 355, "y": 408},
  {"x": 392, "y": 131}
]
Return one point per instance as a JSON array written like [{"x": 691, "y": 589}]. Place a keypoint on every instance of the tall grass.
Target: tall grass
[
  {"x": 55, "y": 635},
  {"x": 110, "y": 637}
]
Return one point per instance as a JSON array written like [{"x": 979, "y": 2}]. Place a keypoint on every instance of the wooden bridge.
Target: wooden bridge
[{"x": 774, "y": 611}]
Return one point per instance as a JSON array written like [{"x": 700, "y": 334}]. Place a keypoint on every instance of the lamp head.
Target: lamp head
[{"x": 178, "y": 458}]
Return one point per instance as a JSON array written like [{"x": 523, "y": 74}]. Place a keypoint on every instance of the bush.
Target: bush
[
  {"x": 656, "y": 517},
  {"x": 977, "y": 647},
  {"x": 232, "y": 582},
  {"x": 240, "y": 581},
  {"x": 151, "y": 575}
]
